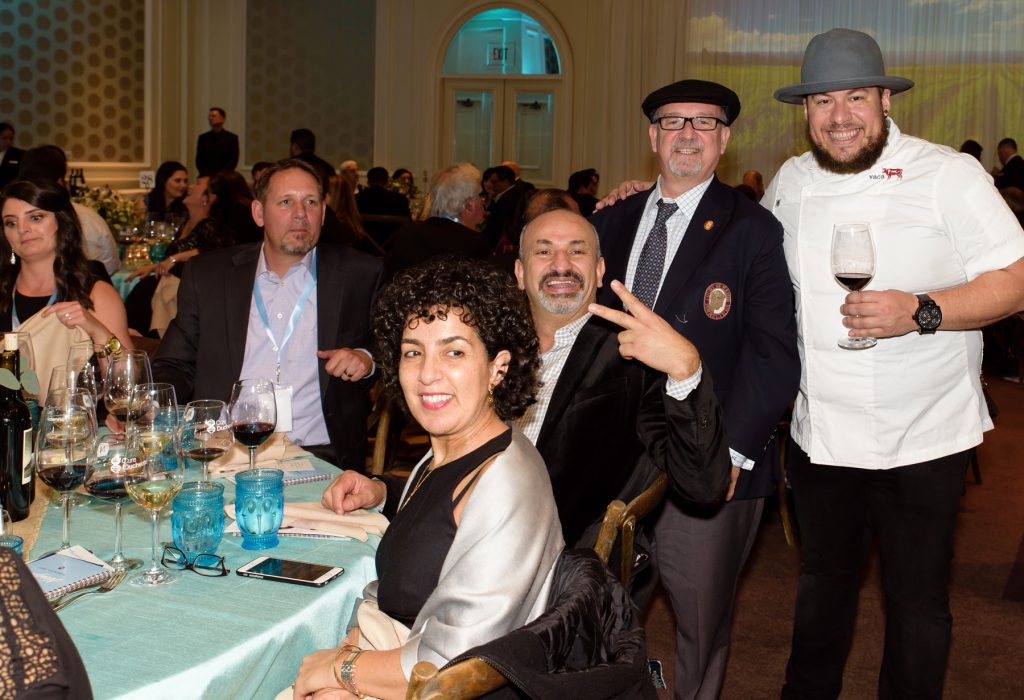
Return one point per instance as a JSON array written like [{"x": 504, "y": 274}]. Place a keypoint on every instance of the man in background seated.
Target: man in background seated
[
  {"x": 50, "y": 163},
  {"x": 583, "y": 188},
  {"x": 456, "y": 210},
  {"x": 10, "y": 157},
  {"x": 349, "y": 169},
  {"x": 1012, "y": 172},
  {"x": 217, "y": 149},
  {"x": 754, "y": 181},
  {"x": 264, "y": 309},
  {"x": 302, "y": 146},
  {"x": 376, "y": 199}
]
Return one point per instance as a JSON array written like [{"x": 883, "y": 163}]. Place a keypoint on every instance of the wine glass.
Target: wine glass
[
  {"x": 107, "y": 482},
  {"x": 152, "y": 479},
  {"x": 64, "y": 449},
  {"x": 154, "y": 418},
  {"x": 205, "y": 432},
  {"x": 124, "y": 371},
  {"x": 61, "y": 391},
  {"x": 253, "y": 413},
  {"x": 82, "y": 363},
  {"x": 853, "y": 266}
]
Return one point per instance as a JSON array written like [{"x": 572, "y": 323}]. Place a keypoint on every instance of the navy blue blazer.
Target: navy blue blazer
[{"x": 728, "y": 291}]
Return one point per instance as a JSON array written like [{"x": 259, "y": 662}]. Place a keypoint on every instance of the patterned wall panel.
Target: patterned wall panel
[
  {"x": 72, "y": 73},
  {"x": 310, "y": 65}
]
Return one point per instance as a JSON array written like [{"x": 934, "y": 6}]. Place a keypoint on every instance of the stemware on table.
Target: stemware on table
[
  {"x": 205, "y": 432},
  {"x": 153, "y": 468},
  {"x": 853, "y": 266},
  {"x": 124, "y": 371},
  {"x": 65, "y": 442},
  {"x": 253, "y": 413},
  {"x": 107, "y": 481}
]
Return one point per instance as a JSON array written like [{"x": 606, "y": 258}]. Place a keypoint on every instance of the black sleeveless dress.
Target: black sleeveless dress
[{"x": 412, "y": 552}]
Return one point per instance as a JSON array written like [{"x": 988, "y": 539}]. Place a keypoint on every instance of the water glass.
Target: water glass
[
  {"x": 259, "y": 506},
  {"x": 197, "y": 522}
]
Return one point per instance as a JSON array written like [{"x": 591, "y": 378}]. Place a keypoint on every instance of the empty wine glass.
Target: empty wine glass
[
  {"x": 64, "y": 449},
  {"x": 124, "y": 371},
  {"x": 106, "y": 481},
  {"x": 82, "y": 362},
  {"x": 253, "y": 412},
  {"x": 154, "y": 418},
  {"x": 853, "y": 266},
  {"x": 152, "y": 480},
  {"x": 205, "y": 432}
]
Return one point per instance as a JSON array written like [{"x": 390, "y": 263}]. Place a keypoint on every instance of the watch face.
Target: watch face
[{"x": 929, "y": 316}]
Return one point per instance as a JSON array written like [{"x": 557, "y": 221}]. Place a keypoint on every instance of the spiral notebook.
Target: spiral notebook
[{"x": 68, "y": 570}]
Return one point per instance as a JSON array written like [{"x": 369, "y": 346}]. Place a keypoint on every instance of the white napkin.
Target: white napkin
[
  {"x": 312, "y": 519},
  {"x": 278, "y": 448}
]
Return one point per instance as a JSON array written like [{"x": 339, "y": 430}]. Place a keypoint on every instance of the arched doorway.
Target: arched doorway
[{"x": 504, "y": 95}]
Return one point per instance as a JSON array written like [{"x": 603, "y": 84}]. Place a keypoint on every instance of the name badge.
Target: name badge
[{"x": 283, "y": 397}]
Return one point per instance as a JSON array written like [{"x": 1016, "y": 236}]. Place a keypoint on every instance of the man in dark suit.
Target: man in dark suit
[
  {"x": 711, "y": 263},
  {"x": 583, "y": 188},
  {"x": 264, "y": 309},
  {"x": 217, "y": 149},
  {"x": 1012, "y": 172},
  {"x": 612, "y": 410},
  {"x": 377, "y": 200},
  {"x": 10, "y": 156},
  {"x": 456, "y": 210},
  {"x": 302, "y": 146},
  {"x": 507, "y": 191}
]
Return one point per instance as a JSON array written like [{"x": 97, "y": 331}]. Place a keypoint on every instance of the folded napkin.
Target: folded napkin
[
  {"x": 278, "y": 448},
  {"x": 312, "y": 519}
]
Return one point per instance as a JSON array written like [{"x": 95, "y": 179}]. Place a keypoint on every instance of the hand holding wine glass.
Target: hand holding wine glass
[
  {"x": 253, "y": 412},
  {"x": 205, "y": 432},
  {"x": 853, "y": 266}
]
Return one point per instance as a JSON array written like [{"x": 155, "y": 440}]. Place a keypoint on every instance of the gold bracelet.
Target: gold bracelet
[{"x": 343, "y": 672}]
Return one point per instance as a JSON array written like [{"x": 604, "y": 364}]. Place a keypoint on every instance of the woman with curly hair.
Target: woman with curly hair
[
  {"x": 44, "y": 271},
  {"x": 474, "y": 534}
]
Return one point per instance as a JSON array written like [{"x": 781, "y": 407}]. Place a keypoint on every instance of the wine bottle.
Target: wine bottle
[{"x": 17, "y": 479}]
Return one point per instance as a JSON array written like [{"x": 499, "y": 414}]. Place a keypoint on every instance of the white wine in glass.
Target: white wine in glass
[{"x": 853, "y": 266}]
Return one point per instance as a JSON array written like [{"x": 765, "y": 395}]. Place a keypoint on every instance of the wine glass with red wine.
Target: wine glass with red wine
[
  {"x": 853, "y": 266},
  {"x": 65, "y": 444},
  {"x": 253, "y": 413},
  {"x": 205, "y": 432},
  {"x": 107, "y": 482}
]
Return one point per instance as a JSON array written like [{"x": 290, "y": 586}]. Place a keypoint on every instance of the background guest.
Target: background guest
[
  {"x": 10, "y": 156},
  {"x": 168, "y": 189},
  {"x": 217, "y": 149},
  {"x": 583, "y": 188},
  {"x": 302, "y": 146},
  {"x": 377, "y": 199}
]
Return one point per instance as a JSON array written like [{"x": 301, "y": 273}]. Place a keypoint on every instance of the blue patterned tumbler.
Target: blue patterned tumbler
[
  {"x": 197, "y": 522},
  {"x": 259, "y": 506}
]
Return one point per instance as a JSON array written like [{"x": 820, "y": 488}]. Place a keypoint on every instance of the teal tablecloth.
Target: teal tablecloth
[
  {"x": 228, "y": 637},
  {"x": 123, "y": 287}
]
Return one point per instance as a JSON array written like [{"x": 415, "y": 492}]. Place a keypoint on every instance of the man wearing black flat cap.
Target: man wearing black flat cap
[
  {"x": 710, "y": 262},
  {"x": 882, "y": 435}
]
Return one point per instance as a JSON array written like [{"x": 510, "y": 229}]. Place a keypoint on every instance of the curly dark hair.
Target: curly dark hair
[
  {"x": 70, "y": 266},
  {"x": 486, "y": 299}
]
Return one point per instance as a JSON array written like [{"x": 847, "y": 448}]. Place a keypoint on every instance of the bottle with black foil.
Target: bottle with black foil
[{"x": 17, "y": 479}]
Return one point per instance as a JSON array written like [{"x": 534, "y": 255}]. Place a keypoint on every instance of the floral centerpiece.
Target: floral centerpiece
[{"x": 117, "y": 211}]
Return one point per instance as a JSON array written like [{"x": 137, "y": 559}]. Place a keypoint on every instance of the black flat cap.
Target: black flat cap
[{"x": 694, "y": 91}]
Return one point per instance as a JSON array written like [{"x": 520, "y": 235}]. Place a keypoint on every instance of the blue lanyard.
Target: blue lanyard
[
  {"x": 15, "y": 322},
  {"x": 300, "y": 306}
]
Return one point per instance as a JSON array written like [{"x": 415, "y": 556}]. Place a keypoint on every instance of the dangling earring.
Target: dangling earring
[
  {"x": 490, "y": 394},
  {"x": 14, "y": 258}
]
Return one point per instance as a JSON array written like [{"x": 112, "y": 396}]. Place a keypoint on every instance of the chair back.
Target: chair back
[{"x": 619, "y": 523}]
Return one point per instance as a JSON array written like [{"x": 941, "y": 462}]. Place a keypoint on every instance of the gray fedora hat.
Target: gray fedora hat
[{"x": 841, "y": 59}]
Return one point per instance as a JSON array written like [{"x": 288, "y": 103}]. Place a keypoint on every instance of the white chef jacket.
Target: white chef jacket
[{"x": 937, "y": 222}]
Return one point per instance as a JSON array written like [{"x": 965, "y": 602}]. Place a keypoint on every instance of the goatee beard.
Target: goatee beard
[{"x": 866, "y": 157}]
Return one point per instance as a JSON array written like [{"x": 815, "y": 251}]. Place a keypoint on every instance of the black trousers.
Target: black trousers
[{"x": 912, "y": 510}]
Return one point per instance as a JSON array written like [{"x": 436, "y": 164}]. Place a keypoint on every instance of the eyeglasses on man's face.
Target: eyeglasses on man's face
[
  {"x": 203, "y": 564},
  {"x": 673, "y": 123}
]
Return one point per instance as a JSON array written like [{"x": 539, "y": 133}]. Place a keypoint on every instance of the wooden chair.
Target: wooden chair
[
  {"x": 622, "y": 518},
  {"x": 465, "y": 680},
  {"x": 782, "y": 488}
]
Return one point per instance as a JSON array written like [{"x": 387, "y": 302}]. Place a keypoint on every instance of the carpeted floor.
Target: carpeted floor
[{"x": 986, "y": 595}]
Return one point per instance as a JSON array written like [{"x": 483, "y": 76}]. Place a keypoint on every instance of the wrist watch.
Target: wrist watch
[
  {"x": 111, "y": 347},
  {"x": 928, "y": 315}
]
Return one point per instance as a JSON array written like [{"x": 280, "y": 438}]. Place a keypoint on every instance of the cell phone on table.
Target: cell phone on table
[{"x": 288, "y": 571}]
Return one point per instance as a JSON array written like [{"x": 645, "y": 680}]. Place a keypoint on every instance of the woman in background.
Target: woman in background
[{"x": 168, "y": 189}]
